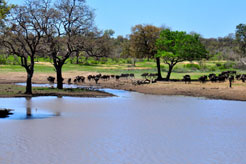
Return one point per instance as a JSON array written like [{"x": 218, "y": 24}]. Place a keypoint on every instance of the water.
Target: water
[{"x": 132, "y": 128}]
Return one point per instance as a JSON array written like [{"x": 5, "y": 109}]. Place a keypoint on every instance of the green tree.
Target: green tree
[
  {"x": 241, "y": 37},
  {"x": 4, "y": 9},
  {"x": 241, "y": 40},
  {"x": 174, "y": 47}
]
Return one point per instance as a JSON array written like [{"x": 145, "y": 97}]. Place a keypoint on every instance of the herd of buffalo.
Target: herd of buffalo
[
  {"x": 222, "y": 77},
  {"x": 151, "y": 78},
  {"x": 96, "y": 78}
]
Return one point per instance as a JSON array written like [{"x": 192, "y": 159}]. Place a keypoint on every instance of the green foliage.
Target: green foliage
[
  {"x": 241, "y": 37},
  {"x": 227, "y": 65},
  {"x": 3, "y": 60},
  {"x": 192, "y": 66},
  {"x": 218, "y": 64},
  {"x": 175, "y": 46},
  {"x": 4, "y": 9}
]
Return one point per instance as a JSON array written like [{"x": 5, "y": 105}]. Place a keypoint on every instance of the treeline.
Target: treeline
[{"x": 65, "y": 29}]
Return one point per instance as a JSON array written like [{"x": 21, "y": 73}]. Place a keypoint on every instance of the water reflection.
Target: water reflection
[
  {"x": 25, "y": 108},
  {"x": 28, "y": 107}
]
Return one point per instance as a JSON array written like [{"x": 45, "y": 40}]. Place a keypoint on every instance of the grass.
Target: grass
[
  {"x": 118, "y": 66},
  {"x": 10, "y": 90}
]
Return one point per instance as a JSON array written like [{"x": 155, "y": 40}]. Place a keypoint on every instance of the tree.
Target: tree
[
  {"x": 97, "y": 43},
  {"x": 23, "y": 34},
  {"x": 4, "y": 10},
  {"x": 241, "y": 39},
  {"x": 174, "y": 47},
  {"x": 142, "y": 43},
  {"x": 68, "y": 21}
]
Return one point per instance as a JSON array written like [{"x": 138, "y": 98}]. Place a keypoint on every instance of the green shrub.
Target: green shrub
[
  {"x": 218, "y": 64},
  {"x": 129, "y": 61},
  {"x": 212, "y": 68},
  {"x": 229, "y": 64},
  {"x": 239, "y": 65},
  {"x": 3, "y": 60},
  {"x": 181, "y": 69},
  {"x": 93, "y": 62},
  {"x": 192, "y": 66},
  {"x": 103, "y": 60}
]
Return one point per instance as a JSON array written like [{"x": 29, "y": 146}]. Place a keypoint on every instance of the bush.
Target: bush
[
  {"x": 3, "y": 60},
  {"x": 103, "y": 60},
  {"x": 218, "y": 64},
  {"x": 227, "y": 65},
  {"x": 212, "y": 68},
  {"x": 181, "y": 69},
  {"x": 239, "y": 65},
  {"x": 192, "y": 66},
  {"x": 93, "y": 62},
  {"x": 129, "y": 61}
]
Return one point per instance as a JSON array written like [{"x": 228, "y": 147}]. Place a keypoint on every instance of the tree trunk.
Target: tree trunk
[
  {"x": 158, "y": 64},
  {"x": 169, "y": 72},
  {"x": 77, "y": 59},
  {"x": 134, "y": 62},
  {"x": 59, "y": 77},
  {"x": 29, "y": 83}
]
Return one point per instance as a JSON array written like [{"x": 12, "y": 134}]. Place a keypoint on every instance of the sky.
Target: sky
[{"x": 210, "y": 18}]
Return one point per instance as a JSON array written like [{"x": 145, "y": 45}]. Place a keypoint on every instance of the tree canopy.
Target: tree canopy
[
  {"x": 177, "y": 46},
  {"x": 142, "y": 43},
  {"x": 4, "y": 11}
]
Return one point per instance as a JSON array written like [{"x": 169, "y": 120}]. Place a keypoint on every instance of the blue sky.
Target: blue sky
[{"x": 210, "y": 18}]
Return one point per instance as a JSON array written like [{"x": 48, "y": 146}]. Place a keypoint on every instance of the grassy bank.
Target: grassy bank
[
  {"x": 109, "y": 66},
  {"x": 10, "y": 90}
]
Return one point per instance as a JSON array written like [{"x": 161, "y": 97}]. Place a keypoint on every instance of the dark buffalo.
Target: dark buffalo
[
  {"x": 96, "y": 79},
  {"x": 132, "y": 75},
  {"x": 222, "y": 78},
  {"x": 212, "y": 75},
  {"x": 243, "y": 78},
  {"x": 51, "y": 79},
  {"x": 105, "y": 77},
  {"x": 187, "y": 79},
  {"x": 203, "y": 79},
  {"x": 145, "y": 75},
  {"x": 117, "y": 77},
  {"x": 238, "y": 77},
  {"x": 69, "y": 81}
]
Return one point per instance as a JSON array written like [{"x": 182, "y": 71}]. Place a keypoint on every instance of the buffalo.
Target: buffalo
[
  {"x": 187, "y": 79},
  {"x": 51, "y": 79}
]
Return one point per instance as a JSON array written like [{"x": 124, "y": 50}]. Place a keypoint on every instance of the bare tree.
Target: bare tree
[
  {"x": 68, "y": 21},
  {"x": 142, "y": 44},
  {"x": 23, "y": 34},
  {"x": 96, "y": 44}
]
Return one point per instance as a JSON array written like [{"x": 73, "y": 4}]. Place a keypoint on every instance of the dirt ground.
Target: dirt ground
[{"x": 196, "y": 89}]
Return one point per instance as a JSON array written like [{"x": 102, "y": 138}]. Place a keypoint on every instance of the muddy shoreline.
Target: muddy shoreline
[
  {"x": 13, "y": 90},
  {"x": 195, "y": 89}
]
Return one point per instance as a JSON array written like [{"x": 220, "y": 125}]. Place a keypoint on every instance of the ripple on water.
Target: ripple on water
[{"x": 131, "y": 128}]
